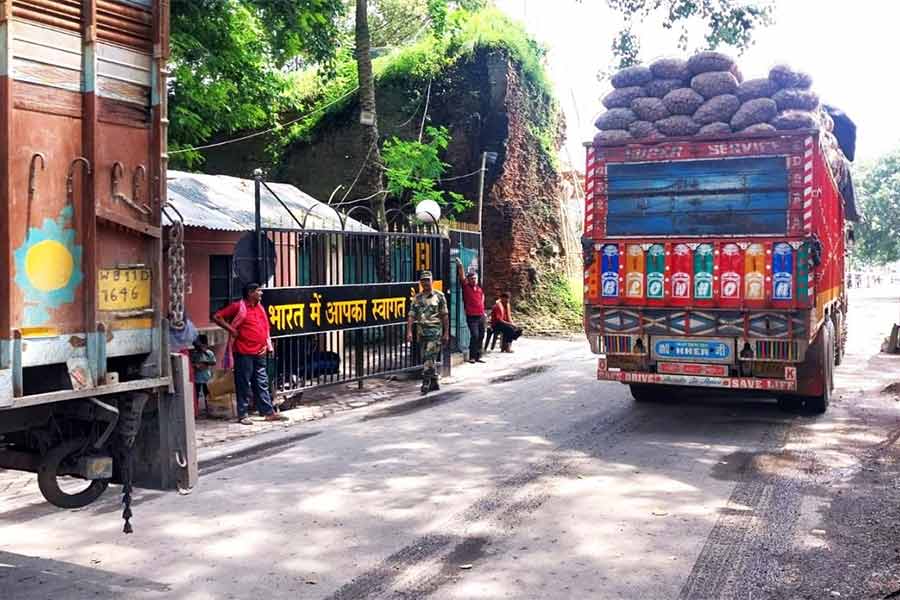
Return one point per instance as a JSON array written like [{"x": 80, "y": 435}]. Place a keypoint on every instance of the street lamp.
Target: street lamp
[{"x": 428, "y": 211}]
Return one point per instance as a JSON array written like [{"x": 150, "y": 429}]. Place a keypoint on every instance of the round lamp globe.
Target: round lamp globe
[{"x": 428, "y": 211}]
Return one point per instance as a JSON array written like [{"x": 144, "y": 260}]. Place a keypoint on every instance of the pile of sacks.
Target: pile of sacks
[{"x": 707, "y": 95}]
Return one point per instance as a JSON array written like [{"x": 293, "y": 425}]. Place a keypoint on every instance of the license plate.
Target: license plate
[
  {"x": 124, "y": 289},
  {"x": 719, "y": 350},
  {"x": 692, "y": 369}
]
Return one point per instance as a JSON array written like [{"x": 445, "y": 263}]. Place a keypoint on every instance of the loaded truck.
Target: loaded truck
[
  {"x": 89, "y": 393},
  {"x": 716, "y": 262}
]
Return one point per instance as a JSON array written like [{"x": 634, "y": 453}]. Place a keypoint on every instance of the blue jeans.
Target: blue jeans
[{"x": 251, "y": 378}]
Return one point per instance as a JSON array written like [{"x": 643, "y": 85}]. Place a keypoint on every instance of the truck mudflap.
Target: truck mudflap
[{"x": 688, "y": 377}]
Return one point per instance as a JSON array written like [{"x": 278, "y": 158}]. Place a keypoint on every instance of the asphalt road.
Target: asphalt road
[{"x": 532, "y": 482}]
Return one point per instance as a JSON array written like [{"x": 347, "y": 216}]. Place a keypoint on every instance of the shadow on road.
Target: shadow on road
[
  {"x": 413, "y": 406},
  {"x": 20, "y": 575}
]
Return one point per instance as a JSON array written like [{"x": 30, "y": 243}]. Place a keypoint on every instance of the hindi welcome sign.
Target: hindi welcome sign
[{"x": 315, "y": 309}]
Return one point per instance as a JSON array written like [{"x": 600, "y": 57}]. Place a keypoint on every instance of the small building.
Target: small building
[{"x": 218, "y": 211}]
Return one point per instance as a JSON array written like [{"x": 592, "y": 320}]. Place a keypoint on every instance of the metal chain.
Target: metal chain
[
  {"x": 127, "y": 488},
  {"x": 176, "y": 274}
]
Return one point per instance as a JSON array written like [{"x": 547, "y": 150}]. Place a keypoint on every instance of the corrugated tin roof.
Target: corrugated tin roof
[{"x": 226, "y": 203}]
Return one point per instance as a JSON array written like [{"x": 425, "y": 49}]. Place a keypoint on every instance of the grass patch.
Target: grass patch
[{"x": 553, "y": 307}]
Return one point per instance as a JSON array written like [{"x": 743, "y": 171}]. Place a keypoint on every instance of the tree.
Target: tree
[
  {"x": 370, "y": 175},
  {"x": 228, "y": 58},
  {"x": 414, "y": 168},
  {"x": 727, "y": 22},
  {"x": 878, "y": 193},
  {"x": 397, "y": 22}
]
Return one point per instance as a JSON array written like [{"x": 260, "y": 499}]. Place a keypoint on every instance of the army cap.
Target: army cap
[{"x": 425, "y": 275}]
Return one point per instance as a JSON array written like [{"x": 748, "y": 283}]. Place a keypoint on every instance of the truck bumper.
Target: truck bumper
[{"x": 788, "y": 384}]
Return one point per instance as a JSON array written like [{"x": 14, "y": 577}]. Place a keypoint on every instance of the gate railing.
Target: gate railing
[{"x": 337, "y": 299}]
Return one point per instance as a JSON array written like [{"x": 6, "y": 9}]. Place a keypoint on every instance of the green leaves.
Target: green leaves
[
  {"x": 413, "y": 169},
  {"x": 726, "y": 22},
  {"x": 878, "y": 193},
  {"x": 227, "y": 60}
]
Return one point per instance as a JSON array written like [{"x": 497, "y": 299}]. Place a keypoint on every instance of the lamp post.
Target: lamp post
[{"x": 486, "y": 158}]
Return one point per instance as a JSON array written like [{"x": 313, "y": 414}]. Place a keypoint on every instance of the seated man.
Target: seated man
[{"x": 501, "y": 320}]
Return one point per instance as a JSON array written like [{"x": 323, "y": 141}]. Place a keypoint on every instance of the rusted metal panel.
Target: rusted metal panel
[
  {"x": 40, "y": 99},
  {"x": 59, "y": 349},
  {"x": 75, "y": 83},
  {"x": 47, "y": 250}
]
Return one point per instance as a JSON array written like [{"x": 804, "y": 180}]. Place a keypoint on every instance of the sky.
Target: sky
[{"x": 850, "y": 47}]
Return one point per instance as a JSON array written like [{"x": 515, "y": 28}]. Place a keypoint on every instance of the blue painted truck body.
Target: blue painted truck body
[{"x": 739, "y": 196}]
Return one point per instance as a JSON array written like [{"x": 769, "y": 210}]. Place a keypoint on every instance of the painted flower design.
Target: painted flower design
[{"x": 48, "y": 267}]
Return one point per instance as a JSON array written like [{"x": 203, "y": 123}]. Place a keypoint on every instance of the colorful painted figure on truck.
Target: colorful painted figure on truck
[{"x": 48, "y": 268}]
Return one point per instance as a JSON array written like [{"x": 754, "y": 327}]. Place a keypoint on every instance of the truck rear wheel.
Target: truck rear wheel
[
  {"x": 51, "y": 484},
  {"x": 824, "y": 349}
]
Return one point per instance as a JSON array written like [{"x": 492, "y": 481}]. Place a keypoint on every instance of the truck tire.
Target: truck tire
[
  {"x": 647, "y": 393},
  {"x": 824, "y": 347},
  {"x": 48, "y": 481},
  {"x": 839, "y": 340}
]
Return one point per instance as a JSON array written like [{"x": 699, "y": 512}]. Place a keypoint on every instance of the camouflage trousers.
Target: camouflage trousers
[{"x": 431, "y": 355}]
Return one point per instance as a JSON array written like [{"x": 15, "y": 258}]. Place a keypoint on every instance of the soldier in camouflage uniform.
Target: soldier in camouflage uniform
[{"x": 429, "y": 311}]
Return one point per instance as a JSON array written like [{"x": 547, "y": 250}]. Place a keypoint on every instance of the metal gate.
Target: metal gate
[
  {"x": 337, "y": 300},
  {"x": 465, "y": 245}
]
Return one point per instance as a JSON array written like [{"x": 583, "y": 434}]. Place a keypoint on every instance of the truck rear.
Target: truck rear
[
  {"x": 716, "y": 262},
  {"x": 87, "y": 390}
]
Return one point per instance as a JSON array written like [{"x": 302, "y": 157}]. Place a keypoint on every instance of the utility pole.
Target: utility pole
[{"x": 481, "y": 188}]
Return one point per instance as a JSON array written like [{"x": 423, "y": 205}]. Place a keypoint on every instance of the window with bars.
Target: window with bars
[{"x": 224, "y": 286}]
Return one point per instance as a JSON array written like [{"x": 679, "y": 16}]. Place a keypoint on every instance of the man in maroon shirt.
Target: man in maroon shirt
[
  {"x": 248, "y": 329},
  {"x": 473, "y": 302}
]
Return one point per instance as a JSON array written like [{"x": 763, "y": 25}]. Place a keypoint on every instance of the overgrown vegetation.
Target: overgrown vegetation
[
  {"x": 413, "y": 169},
  {"x": 553, "y": 300},
  {"x": 464, "y": 35},
  {"x": 228, "y": 61}
]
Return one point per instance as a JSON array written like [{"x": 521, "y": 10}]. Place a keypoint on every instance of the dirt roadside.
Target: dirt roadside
[{"x": 816, "y": 513}]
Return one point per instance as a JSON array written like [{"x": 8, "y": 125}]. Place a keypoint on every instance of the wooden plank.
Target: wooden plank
[
  {"x": 6, "y": 184},
  {"x": 57, "y": 77},
  {"x": 90, "y": 143},
  {"x": 48, "y": 37},
  {"x": 47, "y": 100},
  {"x": 111, "y": 56},
  {"x": 681, "y": 224},
  {"x": 698, "y": 176},
  {"x": 100, "y": 390},
  {"x": 734, "y": 204},
  {"x": 125, "y": 92},
  {"x": 123, "y": 113}
]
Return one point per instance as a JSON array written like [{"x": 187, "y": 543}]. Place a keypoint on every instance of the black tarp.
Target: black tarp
[{"x": 844, "y": 131}]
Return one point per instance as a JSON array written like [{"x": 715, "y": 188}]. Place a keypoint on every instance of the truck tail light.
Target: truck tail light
[
  {"x": 703, "y": 272},
  {"x": 782, "y": 272},
  {"x": 634, "y": 271},
  {"x": 610, "y": 271}
]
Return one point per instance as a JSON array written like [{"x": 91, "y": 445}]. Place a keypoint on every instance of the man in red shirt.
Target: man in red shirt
[
  {"x": 248, "y": 340},
  {"x": 501, "y": 320},
  {"x": 473, "y": 302}
]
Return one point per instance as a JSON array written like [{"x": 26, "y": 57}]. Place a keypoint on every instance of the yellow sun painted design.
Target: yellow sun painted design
[
  {"x": 49, "y": 265},
  {"x": 48, "y": 268}
]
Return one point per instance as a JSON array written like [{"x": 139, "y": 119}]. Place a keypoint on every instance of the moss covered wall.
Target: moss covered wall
[{"x": 489, "y": 104}]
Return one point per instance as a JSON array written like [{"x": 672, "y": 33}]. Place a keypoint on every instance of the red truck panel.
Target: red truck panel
[{"x": 82, "y": 94}]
